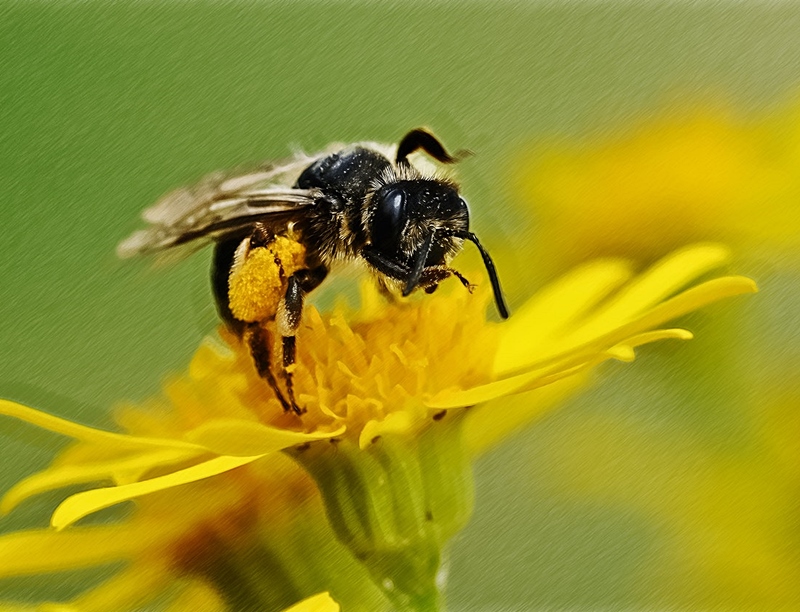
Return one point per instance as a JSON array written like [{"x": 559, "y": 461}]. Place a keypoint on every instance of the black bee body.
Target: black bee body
[
  {"x": 344, "y": 180},
  {"x": 353, "y": 203}
]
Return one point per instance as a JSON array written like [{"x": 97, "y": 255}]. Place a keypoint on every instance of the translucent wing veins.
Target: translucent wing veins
[{"x": 218, "y": 204}]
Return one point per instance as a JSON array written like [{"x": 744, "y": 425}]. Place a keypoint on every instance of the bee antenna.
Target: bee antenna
[
  {"x": 423, "y": 139},
  {"x": 419, "y": 265},
  {"x": 502, "y": 309}
]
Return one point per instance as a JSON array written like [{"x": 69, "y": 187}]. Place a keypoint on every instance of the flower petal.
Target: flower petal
[
  {"x": 82, "y": 504},
  {"x": 240, "y": 438},
  {"x": 395, "y": 422},
  {"x": 322, "y": 602},
  {"x": 198, "y": 595},
  {"x": 38, "y": 551},
  {"x": 690, "y": 300},
  {"x": 127, "y": 589},
  {"x": 519, "y": 383},
  {"x": 569, "y": 365},
  {"x": 489, "y": 424},
  {"x": 601, "y": 339},
  {"x": 659, "y": 282},
  {"x": 528, "y": 340},
  {"x": 538, "y": 321},
  {"x": 675, "y": 333},
  {"x": 44, "y": 607},
  {"x": 127, "y": 468},
  {"x": 82, "y": 432},
  {"x": 462, "y": 398}
]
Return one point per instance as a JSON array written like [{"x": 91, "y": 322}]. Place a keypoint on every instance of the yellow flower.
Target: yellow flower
[
  {"x": 197, "y": 599},
  {"x": 385, "y": 390},
  {"x": 317, "y": 603},
  {"x": 702, "y": 174},
  {"x": 389, "y": 371},
  {"x": 201, "y": 543}
]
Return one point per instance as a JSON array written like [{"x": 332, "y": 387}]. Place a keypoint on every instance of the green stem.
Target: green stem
[
  {"x": 395, "y": 504},
  {"x": 277, "y": 565},
  {"x": 252, "y": 580}
]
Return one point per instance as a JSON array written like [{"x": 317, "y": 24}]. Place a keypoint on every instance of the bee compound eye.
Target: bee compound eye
[{"x": 388, "y": 219}]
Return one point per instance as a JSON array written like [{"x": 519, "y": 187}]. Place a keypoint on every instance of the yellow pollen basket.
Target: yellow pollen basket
[{"x": 256, "y": 287}]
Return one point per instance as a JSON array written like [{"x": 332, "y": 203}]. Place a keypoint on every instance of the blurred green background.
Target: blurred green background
[{"x": 104, "y": 107}]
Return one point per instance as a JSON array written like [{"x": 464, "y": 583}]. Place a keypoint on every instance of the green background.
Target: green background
[{"x": 104, "y": 107}]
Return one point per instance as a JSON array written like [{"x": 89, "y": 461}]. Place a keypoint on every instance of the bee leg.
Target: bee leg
[
  {"x": 469, "y": 286},
  {"x": 288, "y": 319},
  {"x": 261, "y": 236},
  {"x": 433, "y": 275},
  {"x": 289, "y": 347},
  {"x": 258, "y": 340}
]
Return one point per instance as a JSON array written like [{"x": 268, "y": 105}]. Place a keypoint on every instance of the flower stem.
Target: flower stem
[
  {"x": 251, "y": 580},
  {"x": 274, "y": 566},
  {"x": 395, "y": 504}
]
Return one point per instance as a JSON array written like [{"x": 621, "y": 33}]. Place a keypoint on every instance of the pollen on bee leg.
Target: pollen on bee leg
[
  {"x": 254, "y": 287},
  {"x": 290, "y": 253}
]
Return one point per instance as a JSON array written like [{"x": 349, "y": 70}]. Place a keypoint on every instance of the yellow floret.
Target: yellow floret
[{"x": 256, "y": 287}]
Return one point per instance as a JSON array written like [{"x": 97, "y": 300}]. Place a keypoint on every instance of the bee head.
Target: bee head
[
  {"x": 416, "y": 223},
  {"x": 413, "y": 221}
]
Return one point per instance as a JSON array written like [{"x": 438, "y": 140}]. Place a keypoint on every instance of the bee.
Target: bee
[{"x": 279, "y": 230}]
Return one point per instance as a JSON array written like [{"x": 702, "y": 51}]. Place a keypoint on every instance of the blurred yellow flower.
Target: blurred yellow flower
[
  {"x": 720, "y": 489},
  {"x": 703, "y": 174},
  {"x": 203, "y": 465},
  {"x": 727, "y": 515},
  {"x": 193, "y": 600}
]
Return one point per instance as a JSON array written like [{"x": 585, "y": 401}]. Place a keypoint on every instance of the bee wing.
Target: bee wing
[{"x": 219, "y": 204}]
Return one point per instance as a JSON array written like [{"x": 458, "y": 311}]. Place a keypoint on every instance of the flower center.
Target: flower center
[{"x": 370, "y": 375}]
